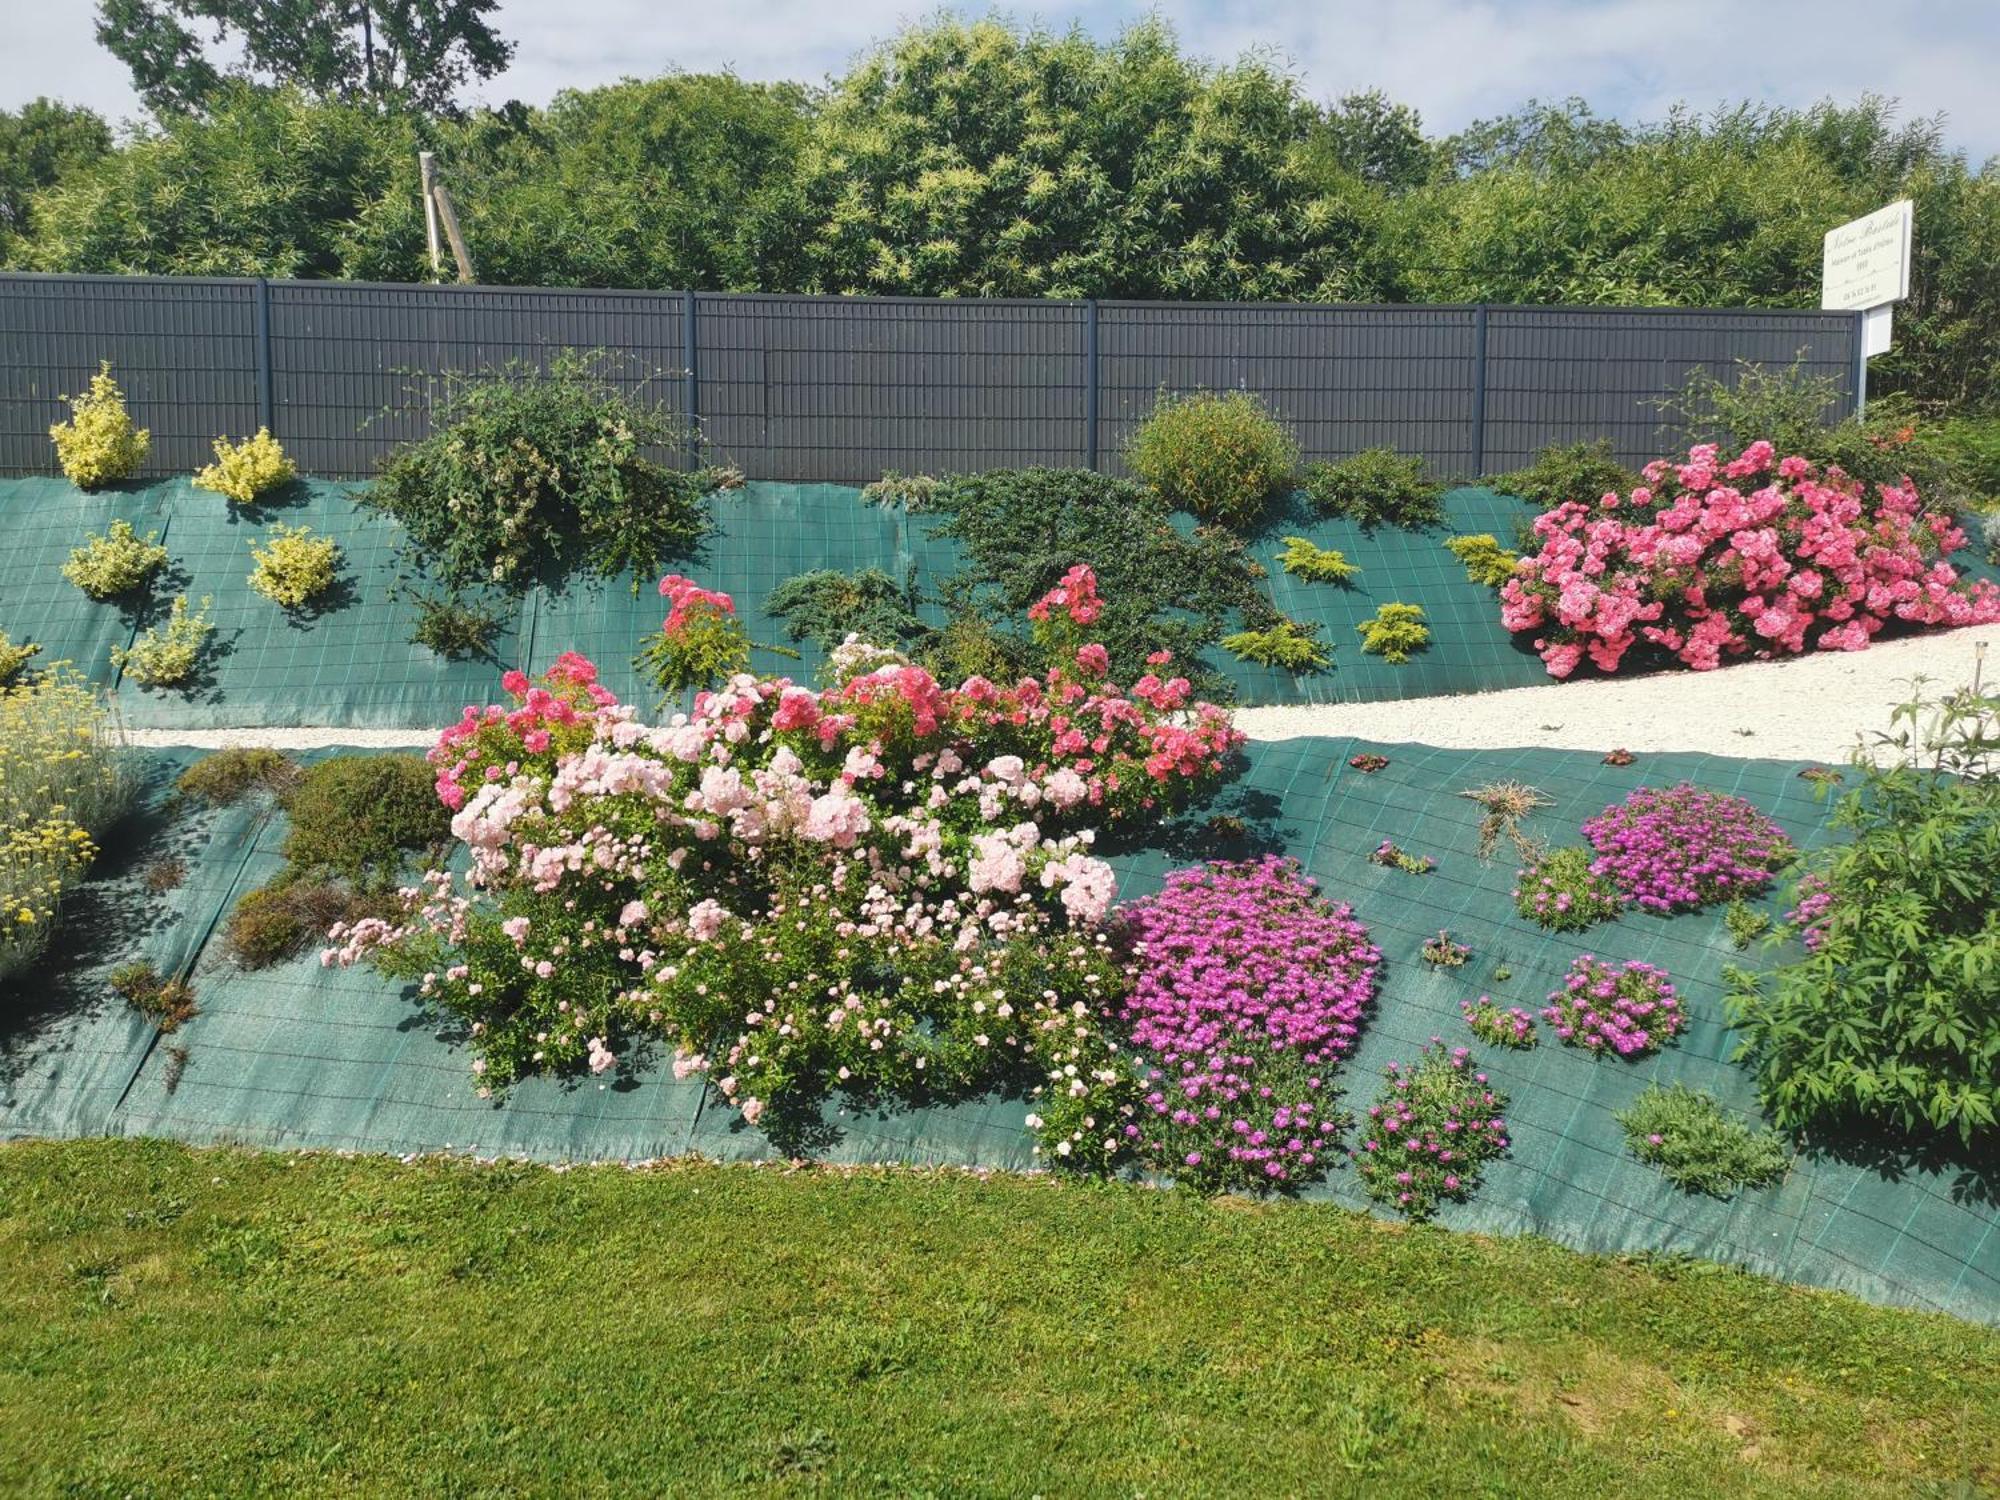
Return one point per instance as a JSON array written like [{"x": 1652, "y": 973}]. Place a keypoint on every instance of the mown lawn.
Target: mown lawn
[{"x": 177, "y": 1322}]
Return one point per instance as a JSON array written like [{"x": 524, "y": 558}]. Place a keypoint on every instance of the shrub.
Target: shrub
[
  {"x": 294, "y": 567},
  {"x": 168, "y": 1002},
  {"x": 1700, "y": 1147},
  {"x": 529, "y": 473},
  {"x": 1394, "y": 632},
  {"x": 1745, "y": 923},
  {"x": 1892, "y": 1015},
  {"x": 1512, "y": 1027},
  {"x": 1487, "y": 563},
  {"x": 1303, "y": 559},
  {"x": 1560, "y": 891},
  {"x": 1506, "y": 804},
  {"x": 1288, "y": 644},
  {"x": 63, "y": 783},
  {"x": 165, "y": 656},
  {"x": 99, "y": 444},
  {"x": 225, "y": 777},
  {"x": 282, "y": 919},
  {"x": 1430, "y": 1132},
  {"x": 914, "y": 492},
  {"x": 455, "y": 627},
  {"x": 361, "y": 816},
  {"x": 827, "y": 607},
  {"x": 1583, "y": 472},
  {"x": 1221, "y": 455},
  {"x": 1752, "y": 555},
  {"x": 243, "y": 471},
  {"x": 1971, "y": 445},
  {"x": 1377, "y": 487},
  {"x": 14, "y": 659},
  {"x": 115, "y": 564},
  {"x": 700, "y": 643},
  {"x": 1248, "y": 989},
  {"x": 1682, "y": 848},
  {"x": 1632, "y": 1011}
]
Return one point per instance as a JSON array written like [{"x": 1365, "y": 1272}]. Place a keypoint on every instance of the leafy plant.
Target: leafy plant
[
  {"x": 530, "y": 473},
  {"x": 362, "y": 816},
  {"x": 99, "y": 443},
  {"x": 1377, "y": 487},
  {"x": 165, "y": 656},
  {"x": 827, "y": 607},
  {"x": 1745, "y": 923},
  {"x": 1305, "y": 559},
  {"x": 243, "y": 471},
  {"x": 914, "y": 492},
  {"x": 1288, "y": 644},
  {"x": 1560, "y": 891},
  {"x": 1394, "y": 856},
  {"x": 1632, "y": 1010},
  {"x": 1584, "y": 472},
  {"x": 1701, "y": 1147},
  {"x": 1441, "y": 952},
  {"x": 14, "y": 659},
  {"x": 283, "y": 918},
  {"x": 224, "y": 777},
  {"x": 1506, "y": 804},
  {"x": 294, "y": 567},
  {"x": 456, "y": 627},
  {"x": 115, "y": 564},
  {"x": 1221, "y": 455},
  {"x": 1395, "y": 631},
  {"x": 701, "y": 642},
  {"x": 1683, "y": 847},
  {"x": 1511, "y": 1027},
  {"x": 1487, "y": 563},
  {"x": 169, "y": 1002},
  {"x": 1430, "y": 1132}
]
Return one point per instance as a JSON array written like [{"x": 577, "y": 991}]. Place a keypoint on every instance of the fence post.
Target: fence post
[
  {"x": 1090, "y": 383},
  {"x": 1479, "y": 390},
  {"x": 267, "y": 416},
  {"x": 1860, "y": 365},
  {"x": 690, "y": 357}
]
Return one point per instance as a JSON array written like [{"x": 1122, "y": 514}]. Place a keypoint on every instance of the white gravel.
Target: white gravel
[{"x": 1804, "y": 708}]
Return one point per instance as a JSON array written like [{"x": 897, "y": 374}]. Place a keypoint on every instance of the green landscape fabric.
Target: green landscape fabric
[{"x": 301, "y": 1056}]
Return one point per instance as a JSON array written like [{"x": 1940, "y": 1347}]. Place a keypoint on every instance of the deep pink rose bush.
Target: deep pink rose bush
[{"x": 1750, "y": 556}]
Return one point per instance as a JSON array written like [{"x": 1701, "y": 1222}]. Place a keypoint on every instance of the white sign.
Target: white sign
[
  {"x": 1876, "y": 324},
  {"x": 1866, "y": 263}
]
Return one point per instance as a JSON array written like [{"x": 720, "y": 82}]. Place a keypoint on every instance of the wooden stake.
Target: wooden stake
[
  {"x": 427, "y": 168},
  {"x": 458, "y": 250}
]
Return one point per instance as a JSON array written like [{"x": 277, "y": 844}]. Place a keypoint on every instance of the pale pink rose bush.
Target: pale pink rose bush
[{"x": 1723, "y": 558}]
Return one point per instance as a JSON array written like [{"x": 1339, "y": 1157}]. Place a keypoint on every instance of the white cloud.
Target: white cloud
[{"x": 1455, "y": 60}]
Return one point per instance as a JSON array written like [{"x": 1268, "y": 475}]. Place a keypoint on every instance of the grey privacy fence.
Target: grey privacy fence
[{"x": 842, "y": 388}]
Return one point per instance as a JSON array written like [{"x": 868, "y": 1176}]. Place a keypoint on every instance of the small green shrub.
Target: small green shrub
[
  {"x": 227, "y": 776},
  {"x": 827, "y": 607},
  {"x": 243, "y": 471},
  {"x": 454, "y": 627},
  {"x": 165, "y": 656},
  {"x": 14, "y": 659},
  {"x": 281, "y": 920},
  {"x": 1441, "y": 952},
  {"x": 294, "y": 567},
  {"x": 1487, "y": 563},
  {"x": 1698, "y": 1145},
  {"x": 1221, "y": 455},
  {"x": 1377, "y": 487},
  {"x": 1287, "y": 644},
  {"x": 115, "y": 564},
  {"x": 168, "y": 1002},
  {"x": 1557, "y": 890},
  {"x": 99, "y": 444},
  {"x": 1584, "y": 472},
  {"x": 1395, "y": 631},
  {"x": 360, "y": 816},
  {"x": 1305, "y": 559},
  {"x": 914, "y": 492},
  {"x": 1745, "y": 923},
  {"x": 1972, "y": 446}
]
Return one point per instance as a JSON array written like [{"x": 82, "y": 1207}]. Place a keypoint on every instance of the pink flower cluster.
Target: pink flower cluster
[
  {"x": 686, "y": 599},
  {"x": 1812, "y": 914},
  {"x": 1631, "y": 1011},
  {"x": 1682, "y": 848},
  {"x": 1076, "y": 597},
  {"x": 1749, "y": 556},
  {"x": 1431, "y": 1132},
  {"x": 1248, "y": 987},
  {"x": 1511, "y": 1027},
  {"x": 486, "y": 745}
]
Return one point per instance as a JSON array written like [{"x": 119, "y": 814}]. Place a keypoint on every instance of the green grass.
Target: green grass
[{"x": 181, "y": 1321}]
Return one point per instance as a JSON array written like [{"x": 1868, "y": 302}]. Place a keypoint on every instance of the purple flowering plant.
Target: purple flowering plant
[
  {"x": 1558, "y": 889},
  {"x": 1248, "y": 989},
  {"x": 1631, "y": 1010},
  {"x": 1498, "y": 1026},
  {"x": 1682, "y": 848},
  {"x": 1430, "y": 1132}
]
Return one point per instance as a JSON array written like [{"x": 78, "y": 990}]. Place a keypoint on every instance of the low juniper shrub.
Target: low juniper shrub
[
  {"x": 1376, "y": 487},
  {"x": 1288, "y": 644},
  {"x": 1395, "y": 632}
]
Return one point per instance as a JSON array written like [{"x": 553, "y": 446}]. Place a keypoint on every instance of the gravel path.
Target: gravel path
[{"x": 1804, "y": 708}]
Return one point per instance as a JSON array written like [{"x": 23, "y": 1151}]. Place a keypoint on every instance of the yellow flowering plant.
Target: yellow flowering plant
[
  {"x": 243, "y": 471},
  {"x": 99, "y": 444}
]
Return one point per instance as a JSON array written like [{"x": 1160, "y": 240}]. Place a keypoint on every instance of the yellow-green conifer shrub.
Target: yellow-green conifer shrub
[
  {"x": 294, "y": 567},
  {"x": 245, "y": 470},
  {"x": 99, "y": 444},
  {"x": 1395, "y": 631}
]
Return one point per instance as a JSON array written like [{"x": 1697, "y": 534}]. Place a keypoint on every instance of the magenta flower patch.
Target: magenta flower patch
[
  {"x": 1631, "y": 1010},
  {"x": 1682, "y": 848}
]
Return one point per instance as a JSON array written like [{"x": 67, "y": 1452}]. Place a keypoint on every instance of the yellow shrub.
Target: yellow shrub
[
  {"x": 14, "y": 659},
  {"x": 165, "y": 656},
  {"x": 99, "y": 443},
  {"x": 116, "y": 564},
  {"x": 295, "y": 568},
  {"x": 245, "y": 470}
]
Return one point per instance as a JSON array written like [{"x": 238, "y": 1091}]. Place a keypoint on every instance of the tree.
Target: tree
[
  {"x": 38, "y": 144},
  {"x": 409, "y": 52}
]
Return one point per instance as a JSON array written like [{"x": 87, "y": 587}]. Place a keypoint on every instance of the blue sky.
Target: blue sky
[{"x": 1455, "y": 60}]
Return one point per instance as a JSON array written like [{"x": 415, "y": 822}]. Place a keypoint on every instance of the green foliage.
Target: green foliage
[
  {"x": 1220, "y": 455},
  {"x": 1744, "y": 923},
  {"x": 243, "y": 471},
  {"x": 294, "y": 567},
  {"x": 168, "y": 1002},
  {"x": 1022, "y": 529},
  {"x": 708, "y": 648},
  {"x": 1698, "y": 1145},
  {"x": 99, "y": 443},
  {"x": 360, "y": 816},
  {"x": 1304, "y": 559},
  {"x": 1442, "y": 952},
  {"x": 39, "y": 143},
  {"x": 115, "y": 564},
  {"x": 914, "y": 492},
  {"x": 282, "y": 919},
  {"x": 1376, "y": 487},
  {"x": 1487, "y": 563},
  {"x": 1971, "y": 445},
  {"x": 1892, "y": 1016},
  {"x": 1287, "y": 644},
  {"x": 1584, "y": 472},
  {"x": 14, "y": 659},
  {"x": 165, "y": 656},
  {"x": 225, "y": 777},
  {"x": 826, "y": 607},
  {"x": 456, "y": 627},
  {"x": 1394, "y": 632},
  {"x": 529, "y": 473},
  {"x": 1558, "y": 890}
]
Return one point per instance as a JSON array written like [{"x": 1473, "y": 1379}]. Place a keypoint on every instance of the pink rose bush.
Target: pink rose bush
[
  {"x": 1722, "y": 558},
  {"x": 885, "y": 885}
]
